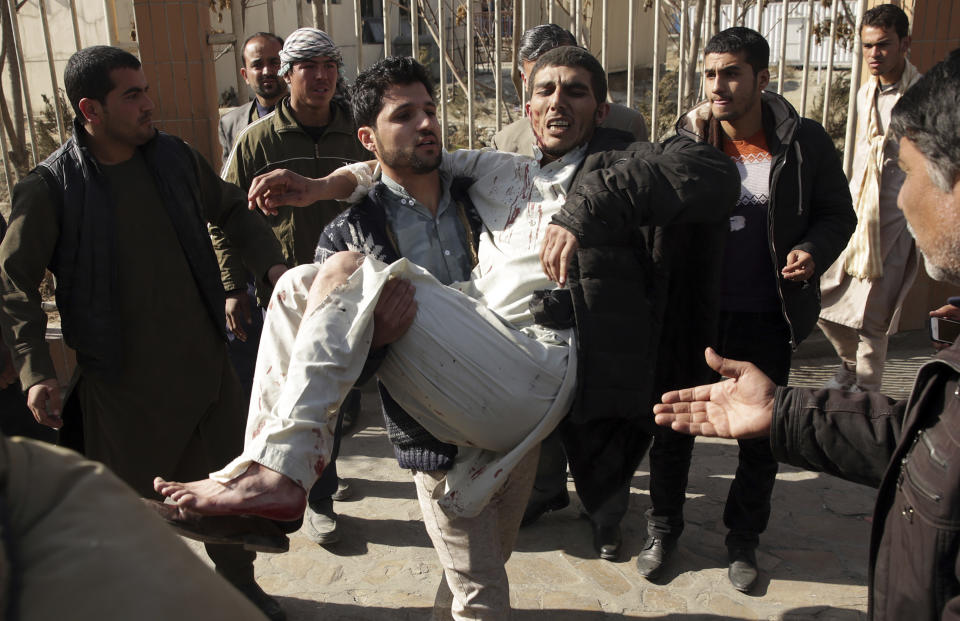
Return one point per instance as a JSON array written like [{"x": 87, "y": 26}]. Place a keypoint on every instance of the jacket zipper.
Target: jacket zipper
[
  {"x": 934, "y": 455},
  {"x": 904, "y": 473},
  {"x": 773, "y": 246}
]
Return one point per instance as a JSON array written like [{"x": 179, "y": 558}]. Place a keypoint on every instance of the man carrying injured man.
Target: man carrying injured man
[{"x": 468, "y": 361}]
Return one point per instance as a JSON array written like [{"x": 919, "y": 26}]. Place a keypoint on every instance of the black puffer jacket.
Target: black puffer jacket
[
  {"x": 650, "y": 220},
  {"x": 625, "y": 198},
  {"x": 910, "y": 450},
  {"x": 810, "y": 206}
]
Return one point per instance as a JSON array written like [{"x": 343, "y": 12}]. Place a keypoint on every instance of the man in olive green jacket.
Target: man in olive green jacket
[{"x": 310, "y": 132}]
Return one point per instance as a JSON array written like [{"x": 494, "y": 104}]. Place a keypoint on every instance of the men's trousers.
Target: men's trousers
[
  {"x": 462, "y": 372},
  {"x": 761, "y": 338},
  {"x": 474, "y": 550}
]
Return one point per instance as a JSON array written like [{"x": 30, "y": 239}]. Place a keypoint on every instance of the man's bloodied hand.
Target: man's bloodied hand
[
  {"x": 394, "y": 312},
  {"x": 559, "y": 246}
]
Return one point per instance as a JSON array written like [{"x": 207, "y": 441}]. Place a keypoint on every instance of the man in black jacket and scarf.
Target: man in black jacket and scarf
[
  {"x": 909, "y": 449},
  {"x": 792, "y": 220}
]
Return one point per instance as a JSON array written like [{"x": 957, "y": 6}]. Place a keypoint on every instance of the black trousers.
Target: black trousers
[
  {"x": 764, "y": 340},
  {"x": 603, "y": 455}
]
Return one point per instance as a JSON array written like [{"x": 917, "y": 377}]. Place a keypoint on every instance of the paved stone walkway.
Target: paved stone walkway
[{"x": 812, "y": 558}]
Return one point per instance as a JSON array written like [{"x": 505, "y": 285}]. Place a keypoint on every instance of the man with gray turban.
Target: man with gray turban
[{"x": 310, "y": 132}]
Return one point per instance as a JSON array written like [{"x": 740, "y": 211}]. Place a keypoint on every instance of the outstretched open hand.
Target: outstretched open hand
[{"x": 739, "y": 407}]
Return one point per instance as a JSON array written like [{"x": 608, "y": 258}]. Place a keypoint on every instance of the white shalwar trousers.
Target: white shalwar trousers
[{"x": 466, "y": 375}]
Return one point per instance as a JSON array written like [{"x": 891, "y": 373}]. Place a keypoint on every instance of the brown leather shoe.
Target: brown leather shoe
[{"x": 252, "y": 532}]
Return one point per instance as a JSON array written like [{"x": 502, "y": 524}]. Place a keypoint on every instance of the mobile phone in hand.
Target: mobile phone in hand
[{"x": 944, "y": 330}]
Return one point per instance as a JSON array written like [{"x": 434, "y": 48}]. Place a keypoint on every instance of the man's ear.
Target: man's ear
[
  {"x": 602, "y": 111},
  {"x": 365, "y": 136},
  {"x": 243, "y": 72},
  {"x": 905, "y": 44},
  {"x": 526, "y": 108},
  {"x": 91, "y": 110},
  {"x": 763, "y": 78}
]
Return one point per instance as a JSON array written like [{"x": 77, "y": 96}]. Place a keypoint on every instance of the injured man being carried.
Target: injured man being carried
[{"x": 474, "y": 368}]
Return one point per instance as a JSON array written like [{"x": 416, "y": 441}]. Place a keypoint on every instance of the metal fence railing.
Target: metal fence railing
[{"x": 468, "y": 38}]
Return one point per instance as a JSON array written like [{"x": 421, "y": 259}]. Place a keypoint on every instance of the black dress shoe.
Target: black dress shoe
[
  {"x": 537, "y": 507},
  {"x": 267, "y": 605},
  {"x": 654, "y": 555},
  {"x": 606, "y": 541},
  {"x": 743, "y": 568}
]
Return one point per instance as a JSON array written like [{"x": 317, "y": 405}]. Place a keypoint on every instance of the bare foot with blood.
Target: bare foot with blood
[{"x": 258, "y": 491}]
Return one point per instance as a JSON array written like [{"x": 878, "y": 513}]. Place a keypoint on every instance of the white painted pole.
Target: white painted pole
[
  {"x": 603, "y": 38},
  {"x": 415, "y": 29},
  {"x": 782, "y": 65},
  {"x": 471, "y": 85},
  {"x": 358, "y": 33},
  {"x": 498, "y": 74},
  {"x": 655, "y": 97},
  {"x": 830, "y": 53},
  {"x": 681, "y": 69},
  {"x": 387, "y": 43},
  {"x": 630, "y": 59},
  {"x": 857, "y": 68},
  {"x": 578, "y": 20},
  {"x": 442, "y": 43},
  {"x": 808, "y": 43}
]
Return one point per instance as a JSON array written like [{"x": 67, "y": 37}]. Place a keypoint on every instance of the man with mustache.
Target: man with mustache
[
  {"x": 119, "y": 215},
  {"x": 476, "y": 365},
  {"x": 261, "y": 67},
  {"x": 309, "y": 132},
  {"x": 550, "y": 485}
]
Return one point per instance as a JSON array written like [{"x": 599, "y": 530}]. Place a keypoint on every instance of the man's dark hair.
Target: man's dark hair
[
  {"x": 372, "y": 83},
  {"x": 87, "y": 75},
  {"x": 570, "y": 56},
  {"x": 538, "y": 40},
  {"x": 258, "y": 35},
  {"x": 738, "y": 39},
  {"x": 887, "y": 17},
  {"x": 929, "y": 117}
]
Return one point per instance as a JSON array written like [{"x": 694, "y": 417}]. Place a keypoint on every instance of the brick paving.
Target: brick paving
[{"x": 812, "y": 557}]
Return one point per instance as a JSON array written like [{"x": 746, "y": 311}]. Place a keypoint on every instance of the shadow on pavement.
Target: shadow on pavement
[
  {"x": 302, "y": 610},
  {"x": 819, "y": 525}
]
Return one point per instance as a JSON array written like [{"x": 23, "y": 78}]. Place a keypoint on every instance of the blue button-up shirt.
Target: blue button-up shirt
[{"x": 437, "y": 244}]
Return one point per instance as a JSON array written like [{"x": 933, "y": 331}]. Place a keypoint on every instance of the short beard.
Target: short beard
[
  {"x": 409, "y": 160},
  {"x": 261, "y": 92},
  {"x": 947, "y": 270},
  {"x": 942, "y": 273}
]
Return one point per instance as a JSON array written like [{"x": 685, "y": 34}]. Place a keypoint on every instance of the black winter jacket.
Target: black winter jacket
[
  {"x": 623, "y": 199},
  {"x": 84, "y": 260},
  {"x": 650, "y": 220},
  {"x": 810, "y": 206},
  {"x": 910, "y": 450},
  {"x": 364, "y": 228}
]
